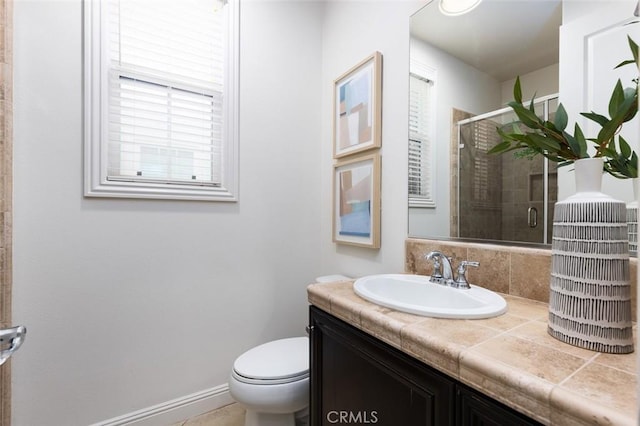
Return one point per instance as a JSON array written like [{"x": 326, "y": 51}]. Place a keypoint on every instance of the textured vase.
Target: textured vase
[
  {"x": 590, "y": 294},
  {"x": 632, "y": 218}
]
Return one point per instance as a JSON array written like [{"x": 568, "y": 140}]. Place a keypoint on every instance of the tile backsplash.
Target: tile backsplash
[{"x": 514, "y": 270}]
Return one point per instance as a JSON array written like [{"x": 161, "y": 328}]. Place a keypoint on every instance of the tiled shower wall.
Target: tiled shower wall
[
  {"x": 522, "y": 188},
  {"x": 518, "y": 271},
  {"x": 6, "y": 182}
]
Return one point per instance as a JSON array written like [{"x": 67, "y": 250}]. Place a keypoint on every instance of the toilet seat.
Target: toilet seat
[{"x": 277, "y": 362}]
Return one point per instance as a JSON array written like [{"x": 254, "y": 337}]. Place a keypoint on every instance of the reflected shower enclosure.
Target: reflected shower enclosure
[{"x": 502, "y": 197}]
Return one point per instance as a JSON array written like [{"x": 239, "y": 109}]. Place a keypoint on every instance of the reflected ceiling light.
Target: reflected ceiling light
[{"x": 457, "y": 7}]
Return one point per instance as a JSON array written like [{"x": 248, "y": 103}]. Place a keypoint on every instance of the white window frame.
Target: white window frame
[
  {"x": 423, "y": 71},
  {"x": 96, "y": 81}
]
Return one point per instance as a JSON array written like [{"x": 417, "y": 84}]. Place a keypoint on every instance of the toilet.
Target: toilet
[{"x": 271, "y": 381}]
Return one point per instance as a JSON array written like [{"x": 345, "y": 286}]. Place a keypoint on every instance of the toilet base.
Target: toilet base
[
  {"x": 269, "y": 419},
  {"x": 300, "y": 418}
]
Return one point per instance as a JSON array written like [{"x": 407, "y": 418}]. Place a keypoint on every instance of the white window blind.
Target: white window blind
[
  {"x": 420, "y": 142},
  {"x": 165, "y": 91},
  {"x": 161, "y": 98}
]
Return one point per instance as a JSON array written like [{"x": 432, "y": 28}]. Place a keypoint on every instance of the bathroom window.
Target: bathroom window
[
  {"x": 161, "y": 99},
  {"x": 421, "y": 120}
]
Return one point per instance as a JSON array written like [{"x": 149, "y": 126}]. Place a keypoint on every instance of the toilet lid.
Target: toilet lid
[{"x": 280, "y": 359}]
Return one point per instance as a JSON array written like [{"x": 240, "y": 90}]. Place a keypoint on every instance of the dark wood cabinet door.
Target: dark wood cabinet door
[
  {"x": 476, "y": 409},
  {"x": 357, "y": 379}
]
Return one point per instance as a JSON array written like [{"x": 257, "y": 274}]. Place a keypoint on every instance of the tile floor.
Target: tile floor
[{"x": 230, "y": 415}]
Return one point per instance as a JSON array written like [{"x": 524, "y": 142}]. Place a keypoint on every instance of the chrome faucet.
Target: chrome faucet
[
  {"x": 443, "y": 272},
  {"x": 440, "y": 276}
]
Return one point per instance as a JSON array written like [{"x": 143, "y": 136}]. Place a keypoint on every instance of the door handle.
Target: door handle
[
  {"x": 532, "y": 217},
  {"x": 10, "y": 341}
]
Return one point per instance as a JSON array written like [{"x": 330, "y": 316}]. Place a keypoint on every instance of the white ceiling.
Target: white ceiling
[{"x": 504, "y": 38}]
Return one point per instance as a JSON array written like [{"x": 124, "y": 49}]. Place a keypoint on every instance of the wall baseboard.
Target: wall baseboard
[{"x": 176, "y": 410}]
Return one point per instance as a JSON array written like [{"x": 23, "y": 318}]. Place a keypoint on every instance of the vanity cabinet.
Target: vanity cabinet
[
  {"x": 358, "y": 379},
  {"x": 474, "y": 408}
]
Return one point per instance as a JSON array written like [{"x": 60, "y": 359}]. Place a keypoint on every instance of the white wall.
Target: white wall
[
  {"x": 459, "y": 86},
  {"x": 133, "y": 303},
  {"x": 351, "y": 32},
  {"x": 537, "y": 83}
]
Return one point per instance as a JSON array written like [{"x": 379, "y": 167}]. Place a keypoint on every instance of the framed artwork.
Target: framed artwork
[
  {"x": 356, "y": 201},
  {"x": 357, "y": 108}
]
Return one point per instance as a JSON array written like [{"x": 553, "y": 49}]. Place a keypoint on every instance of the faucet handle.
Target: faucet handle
[
  {"x": 466, "y": 263},
  {"x": 437, "y": 268},
  {"x": 441, "y": 267},
  {"x": 461, "y": 280}
]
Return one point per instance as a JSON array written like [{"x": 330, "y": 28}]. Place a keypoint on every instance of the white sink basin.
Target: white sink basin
[{"x": 416, "y": 295}]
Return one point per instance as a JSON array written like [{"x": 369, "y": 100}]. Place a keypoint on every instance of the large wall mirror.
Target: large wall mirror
[{"x": 462, "y": 73}]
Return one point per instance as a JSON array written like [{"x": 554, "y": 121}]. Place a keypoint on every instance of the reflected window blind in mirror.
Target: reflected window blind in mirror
[
  {"x": 421, "y": 141},
  {"x": 487, "y": 175}
]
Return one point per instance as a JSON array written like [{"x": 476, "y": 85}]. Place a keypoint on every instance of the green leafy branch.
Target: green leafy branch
[{"x": 552, "y": 140}]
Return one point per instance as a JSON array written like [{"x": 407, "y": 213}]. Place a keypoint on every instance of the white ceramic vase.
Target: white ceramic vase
[
  {"x": 590, "y": 293},
  {"x": 632, "y": 217}
]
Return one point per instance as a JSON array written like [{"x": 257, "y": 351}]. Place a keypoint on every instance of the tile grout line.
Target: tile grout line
[{"x": 589, "y": 361}]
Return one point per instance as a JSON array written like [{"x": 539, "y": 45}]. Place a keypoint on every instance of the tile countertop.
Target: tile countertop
[{"x": 510, "y": 358}]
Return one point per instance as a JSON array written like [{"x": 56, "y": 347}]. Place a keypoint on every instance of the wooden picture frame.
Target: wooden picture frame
[
  {"x": 356, "y": 201},
  {"x": 357, "y": 108}
]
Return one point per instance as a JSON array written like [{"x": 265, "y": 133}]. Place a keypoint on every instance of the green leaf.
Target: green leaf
[
  {"x": 627, "y": 62},
  {"x": 633, "y": 166},
  {"x": 633, "y": 46},
  {"x": 573, "y": 143},
  {"x": 532, "y": 107},
  {"x": 598, "y": 118},
  {"x": 617, "y": 118},
  {"x": 617, "y": 97},
  {"x": 623, "y": 103},
  {"x": 517, "y": 91},
  {"x": 544, "y": 143},
  {"x": 582, "y": 142},
  {"x": 634, "y": 51},
  {"x": 508, "y": 137},
  {"x": 625, "y": 149},
  {"x": 503, "y": 134},
  {"x": 516, "y": 128},
  {"x": 561, "y": 119},
  {"x": 550, "y": 130},
  {"x": 500, "y": 148},
  {"x": 528, "y": 118},
  {"x": 631, "y": 93}
]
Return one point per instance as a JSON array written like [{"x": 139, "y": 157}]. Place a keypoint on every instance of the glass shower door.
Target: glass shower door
[{"x": 504, "y": 197}]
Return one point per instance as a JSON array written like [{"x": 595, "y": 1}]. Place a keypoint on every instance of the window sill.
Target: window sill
[
  {"x": 160, "y": 191},
  {"x": 421, "y": 203}
]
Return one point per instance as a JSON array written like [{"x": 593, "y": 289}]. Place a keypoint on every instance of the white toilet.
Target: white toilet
[{"x": 271, "y": 381}]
